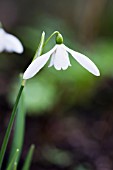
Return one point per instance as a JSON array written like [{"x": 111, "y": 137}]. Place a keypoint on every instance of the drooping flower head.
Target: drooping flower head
[
  {"x": 9, "y": 42},
  {"x": 60, "y": 60}
]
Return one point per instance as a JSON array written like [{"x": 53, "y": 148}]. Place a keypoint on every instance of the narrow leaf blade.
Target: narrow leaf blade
[{"x": 28, "y": 160}]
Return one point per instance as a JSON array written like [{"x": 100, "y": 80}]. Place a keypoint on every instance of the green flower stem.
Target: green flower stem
[
  {"x": 8, "y": 131},
  {"x": 56, "y": 32}
]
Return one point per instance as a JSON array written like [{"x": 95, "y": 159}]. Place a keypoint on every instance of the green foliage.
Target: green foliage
[
  {"x": 40, "y": 95},
  {"x": 11, "y": 165},
  {"x": 9, "y": 128},
  {"x": 28, "y": 160},
  {"x": 13, "y": 162},
  {"x": 19, "y": 128},
  {"x": 15, "y": 166},
  {"x": 57, "y": 156}
]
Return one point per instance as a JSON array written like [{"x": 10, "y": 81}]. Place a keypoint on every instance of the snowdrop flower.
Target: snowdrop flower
[
  {"x": 60, "y": 60},
  {"x": 9, "y": 42}
]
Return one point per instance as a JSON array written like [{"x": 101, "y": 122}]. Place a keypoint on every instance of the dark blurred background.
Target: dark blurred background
[{"x": 69, "y": 113}]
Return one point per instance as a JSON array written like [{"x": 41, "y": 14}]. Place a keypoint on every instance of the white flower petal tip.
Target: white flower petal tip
[
  {"x": 37, "y": 64},
  {"x": 84, "y": 61},
  {"x": 9, "y": 42},
  {"x": 97, "y": 73}
]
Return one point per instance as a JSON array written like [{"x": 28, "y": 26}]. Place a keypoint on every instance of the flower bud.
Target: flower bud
[{"x": 59, "y": 39}]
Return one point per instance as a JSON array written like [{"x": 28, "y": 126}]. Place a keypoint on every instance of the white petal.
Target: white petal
[
  {"x": 9, "y": 42},
  {"x": 61, "y": 59},
  {"x": 37, "y": 64},
  {"x": 84, "y": 61},
  {"x": 2, "y": 40},
  {"x": 12, "y": 44},
  {"x": 2, "y": 31}
]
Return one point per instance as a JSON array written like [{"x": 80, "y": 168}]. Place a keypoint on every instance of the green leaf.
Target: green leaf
[
  {"x": 12, "y": 162},
  {"x": 19, "y": 128},
  {"x": 15, "y": 166},
  {"x": 40, "y": 94},
  {"x": 8, "y": 131},
  {"x": 57, "y": 156},
  {"x": 27, "y": 163}
]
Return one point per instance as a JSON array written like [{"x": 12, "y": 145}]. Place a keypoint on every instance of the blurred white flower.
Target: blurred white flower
[
  {"x": 9, "y": 42},
  {"x": 60, "y": 60}
]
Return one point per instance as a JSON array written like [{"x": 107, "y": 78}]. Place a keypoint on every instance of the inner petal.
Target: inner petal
[{"x": 61, "y": 59}]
